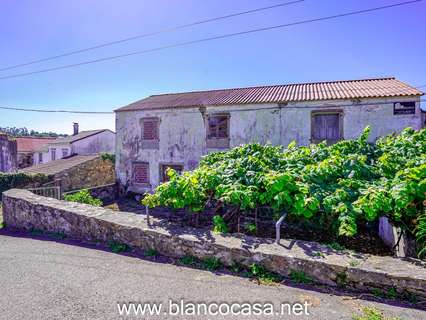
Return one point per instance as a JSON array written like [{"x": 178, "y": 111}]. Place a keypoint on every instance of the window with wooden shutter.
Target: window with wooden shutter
[
  {"x": 218, "y": 131},
  {"x": 163, "y": 170},
  {"x": 150, "y": 132},
  {"x": 141, "y": 172},
  {"x": 326, "y": 126}
]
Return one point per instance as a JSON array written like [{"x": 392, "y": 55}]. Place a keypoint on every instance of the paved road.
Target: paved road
[{"x": 42, "y": 279}]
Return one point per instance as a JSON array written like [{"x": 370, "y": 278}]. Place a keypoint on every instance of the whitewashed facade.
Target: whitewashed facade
[
  {"x": 182, "y": 135},
  {"x": 83, "y": 143}
]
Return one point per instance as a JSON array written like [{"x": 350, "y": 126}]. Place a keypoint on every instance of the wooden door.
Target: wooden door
[{"x": 326, "y": 127}]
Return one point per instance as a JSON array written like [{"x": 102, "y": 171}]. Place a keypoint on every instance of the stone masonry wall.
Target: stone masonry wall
[
  {"x": 96, "y": 172},
  {"x": 24, "y": 210}
]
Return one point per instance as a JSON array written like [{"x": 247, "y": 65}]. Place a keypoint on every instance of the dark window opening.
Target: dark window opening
[
  {"x": 404, "y": 107},
  {"x": 141, "y": 172}
]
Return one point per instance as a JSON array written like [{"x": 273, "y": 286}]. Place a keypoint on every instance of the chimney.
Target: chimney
[{"x": 75, "y": 127}]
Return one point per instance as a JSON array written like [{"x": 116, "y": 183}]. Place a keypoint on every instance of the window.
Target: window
[
  {"x": 326, "y": 126},
  {"x": 141, "y": 172},
  {"x": 404, "y": 107},
  {"x": 163, "y": 170},
  {"x": 150, "y": 133},
  {"x": 40, "y": 157},
  {"x": 53, "y": 153},
  {"x": 218, "y": 131},
  {"x": 64, "y": 153}
]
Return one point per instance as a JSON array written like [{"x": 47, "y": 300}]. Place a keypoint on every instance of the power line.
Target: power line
[
  {"x": 228, "y": 110},
  {"x": 145, "y": 35},
  {"x": 57, "y": 111},
  {"x": 229, "y": 35}
]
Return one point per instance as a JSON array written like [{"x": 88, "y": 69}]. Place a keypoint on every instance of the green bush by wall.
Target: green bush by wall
[{"x": 21, "y": 180}]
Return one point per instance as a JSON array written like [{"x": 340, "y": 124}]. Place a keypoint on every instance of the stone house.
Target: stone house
[
  {"x": 80, "y": 143},
  {"x": 27, "y": 146},
  {"x": 176, "y": 130},
  {"x": 8, "y": 154}
]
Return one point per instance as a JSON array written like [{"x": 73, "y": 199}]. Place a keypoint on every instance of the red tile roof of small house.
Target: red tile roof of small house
[
  {"x": 333, "y": 90},
  {"x": 32, "y": 144}
]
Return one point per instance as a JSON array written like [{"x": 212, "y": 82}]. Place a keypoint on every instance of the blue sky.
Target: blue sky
[{"x": 384, "y": 43}]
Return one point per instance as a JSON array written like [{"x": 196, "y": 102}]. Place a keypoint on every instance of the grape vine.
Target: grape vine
[{"x": 341, "y": 185}]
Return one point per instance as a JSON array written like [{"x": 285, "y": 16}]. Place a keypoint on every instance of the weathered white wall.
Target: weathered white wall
[
  {"x": 101, "y": 142},
  {"x": 47, "y": 155},
  {"x": 183, "y": 135}
]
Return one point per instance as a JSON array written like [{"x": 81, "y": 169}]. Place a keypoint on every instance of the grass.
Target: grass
[
  {"x": 318, "y": 254},
  {"x": 369, "y": 313},
  {"x": 354, "y": 263},
  {"x": 2, "y": 225},
  {"x": 236, "y": 268},
  {"x": 377, "y": 293},
  {"x": 211, "y": 263},
  {"x": 117, "y": 247},
  {"x": 336, "y": 246},
  {"x": 151, "y": 253},
  {"x": 300, "y": 277},
  {"x": 392, "y": 293},
  {"x": 262, "y": 275},
  {"x": 56, "y": 235},
  {"x": 188, "y": 261},
  {"x": 36, "y": 232}
]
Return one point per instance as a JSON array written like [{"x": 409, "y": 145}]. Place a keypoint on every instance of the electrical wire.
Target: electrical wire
[
  {"x": 145, "y": 35},
  {"x": 228, "y": 35}
]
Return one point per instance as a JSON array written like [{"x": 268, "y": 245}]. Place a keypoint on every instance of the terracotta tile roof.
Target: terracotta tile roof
[
  {"x": 54, "y": 167},
  {"x": 347, "y": 89},
  {"x": 32, "y": 144}
]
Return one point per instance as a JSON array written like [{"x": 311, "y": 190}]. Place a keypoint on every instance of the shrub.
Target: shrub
[
  {"x": 118, "y": 247},
  {"x": 83, "y": 196},
  {"x": 21, "y": 180},
  {"x": 108, "y": 156},
  {"x": 300, "y": 277},
  {"x": 212, "y": 263},
  {"x": 260, "y": 273},
  {"x": 219, "y": 225}
]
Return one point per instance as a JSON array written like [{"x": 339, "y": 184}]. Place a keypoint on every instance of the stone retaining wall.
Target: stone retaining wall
[
  {"x": 22, "y": 209},
  {"x": 96, "y": 172}
]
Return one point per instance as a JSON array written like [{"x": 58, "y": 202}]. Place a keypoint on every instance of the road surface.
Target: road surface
[{"x": 45, "y": 279}]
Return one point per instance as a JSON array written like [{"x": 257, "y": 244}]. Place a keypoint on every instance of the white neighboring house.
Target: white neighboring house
[
  {"x": 176, "y": 130},
  {"x": 80, "y": 143}
]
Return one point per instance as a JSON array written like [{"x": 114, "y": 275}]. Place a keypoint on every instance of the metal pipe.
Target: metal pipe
[
  {"x": 147, "y": 215},
  {"x": 278, "y": 228}
]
